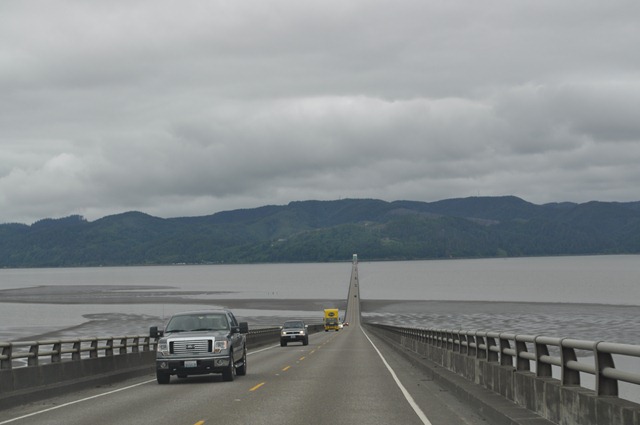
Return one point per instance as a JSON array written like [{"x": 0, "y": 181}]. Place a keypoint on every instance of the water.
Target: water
[
  {"x": 230, "y": 281},
  {"x": 72, "y": 302},
  {"x": 592, "y": 279},
  {"x": 594, "y": 298}
]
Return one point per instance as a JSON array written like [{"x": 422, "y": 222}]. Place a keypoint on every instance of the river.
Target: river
[
  {"x": 584, "y": 297},
  {"x": 590, "y": 297}
]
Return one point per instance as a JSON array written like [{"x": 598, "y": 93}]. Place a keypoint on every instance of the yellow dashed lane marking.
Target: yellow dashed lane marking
[
  {"x": 301, "y": 358},
  {"x": 199, "y": 423},
  {"x": 257, "y": 386},
  {"x": 286, "y": 368}
]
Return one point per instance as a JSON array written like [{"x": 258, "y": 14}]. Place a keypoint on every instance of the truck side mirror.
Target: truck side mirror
[
  {"x": 244, "y": 327},
  {"x": 155, "y": 333}
]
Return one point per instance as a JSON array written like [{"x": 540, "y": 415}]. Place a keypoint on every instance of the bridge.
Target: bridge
[{"x": 363, "y": 374}]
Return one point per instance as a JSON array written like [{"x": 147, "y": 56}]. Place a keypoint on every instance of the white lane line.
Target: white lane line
[
  {"x": 258, "y": 351},
  {"x": 75, "y": 402},
  {"x": 107, "y": 393},
  {"x": 406, "y": 394},
  {"x": 103, "y": 394}
]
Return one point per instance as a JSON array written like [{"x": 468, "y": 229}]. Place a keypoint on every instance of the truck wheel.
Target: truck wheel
[
  {"x": 305, "y": 341},
  {"x": 283, "y": 343},
  {"x": 163, "y": 378},
  {"x": 227, "y": 374},
  {"x": 242, "y": 370}
]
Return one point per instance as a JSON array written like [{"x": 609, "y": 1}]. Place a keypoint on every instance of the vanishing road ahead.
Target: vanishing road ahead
[{"x": 346, "y": 377}]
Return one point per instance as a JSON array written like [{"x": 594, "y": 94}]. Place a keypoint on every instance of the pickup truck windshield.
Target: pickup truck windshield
[{"x": 202, "y": 322}]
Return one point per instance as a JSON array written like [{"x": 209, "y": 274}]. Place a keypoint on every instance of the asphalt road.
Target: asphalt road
[{"x": 340, "y": 377}]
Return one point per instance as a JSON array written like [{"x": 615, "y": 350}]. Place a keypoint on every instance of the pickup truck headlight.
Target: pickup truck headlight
[
  {"x": 163, "y": 347},
  {"x": 219, "y": 346},
  {"x": 283, "y": 333}
]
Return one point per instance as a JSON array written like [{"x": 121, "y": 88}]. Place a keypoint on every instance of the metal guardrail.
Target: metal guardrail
[
  {"x": 508, "y": 348},
  {"x": 56, "y": 351}
]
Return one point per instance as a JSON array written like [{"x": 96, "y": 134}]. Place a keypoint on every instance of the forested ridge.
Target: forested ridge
[{"x": 320, "y": 231}]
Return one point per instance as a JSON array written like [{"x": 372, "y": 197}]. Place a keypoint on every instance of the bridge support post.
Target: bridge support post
[
  {"x": 492, "y": 356},
  {"x": 505, "y": 359},
  {"x": 522, "y": 364},
  {"x": 543, "y": 369},
  {"x": 472, "y": 347},
  {"x": 568, "y": 376},
  {"x": 33, "y": 355},
  {"x": 77, "y": 345},
  {"x": 5, "y": 357},
  {"x": 93, "y": 354},
  {"x": 604, "y": 386},
  {"x": 56, "y": 352},
  {"x": 481, "y": 353}
]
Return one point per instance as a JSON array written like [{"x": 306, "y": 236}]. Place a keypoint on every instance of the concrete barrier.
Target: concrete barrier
[
  {"x": 38, "y": 381},
  {"x": 27, "y": 384},
  {"x": 544, "y": 396}
]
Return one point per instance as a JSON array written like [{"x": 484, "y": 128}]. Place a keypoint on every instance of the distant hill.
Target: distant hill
[{"x": 320, "y": 231}]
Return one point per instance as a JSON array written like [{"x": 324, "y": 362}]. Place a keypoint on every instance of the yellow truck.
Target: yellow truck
[{"x": 331, "y": 319}]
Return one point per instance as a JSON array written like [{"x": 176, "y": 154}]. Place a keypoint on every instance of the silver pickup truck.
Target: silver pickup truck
[{"x": 201, "y": 342}]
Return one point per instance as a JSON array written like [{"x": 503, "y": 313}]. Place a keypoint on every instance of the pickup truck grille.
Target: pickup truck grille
[{"x": 191, "y": 346}]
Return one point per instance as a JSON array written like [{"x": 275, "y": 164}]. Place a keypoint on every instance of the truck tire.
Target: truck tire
[
  {"x": 163, "y": 377},
  {"x": 305, "y": 341},
  {"x": 283, "y": 343},
  {"x": 242, "y": 370},
  {"x": 228, "y": 373}
]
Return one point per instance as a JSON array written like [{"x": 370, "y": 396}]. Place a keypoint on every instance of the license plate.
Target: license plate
[
  {"x": 190, "y": 363},
  {"x": 292, "y": 336}
]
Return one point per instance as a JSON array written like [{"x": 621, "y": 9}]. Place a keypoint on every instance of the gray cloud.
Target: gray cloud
[{"x": 193, "y": 108}]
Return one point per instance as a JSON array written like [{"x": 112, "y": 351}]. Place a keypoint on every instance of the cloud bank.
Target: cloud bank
[{"x": 190, "y": 108}]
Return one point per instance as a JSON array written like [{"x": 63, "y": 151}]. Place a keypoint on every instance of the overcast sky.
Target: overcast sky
[{"x": 187, "y": 108}]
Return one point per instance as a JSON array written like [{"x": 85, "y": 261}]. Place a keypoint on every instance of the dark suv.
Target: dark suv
[
  {"x": 294, "y": 330},
  {"x": 201, "y": 342}
]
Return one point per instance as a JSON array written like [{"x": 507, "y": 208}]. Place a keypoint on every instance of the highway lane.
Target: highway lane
[
  {"x": 340, "y": 380},
  {"x": 183, "y": 401},
  {"x": 339, "y": 377}
]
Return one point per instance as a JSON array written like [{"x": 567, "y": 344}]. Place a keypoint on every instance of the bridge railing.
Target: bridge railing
[
  {"x": 55, "y": 351},
  {"x": 521, "y": 351}
]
